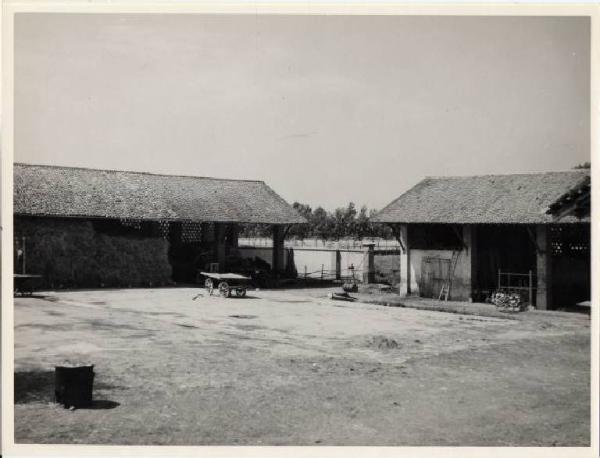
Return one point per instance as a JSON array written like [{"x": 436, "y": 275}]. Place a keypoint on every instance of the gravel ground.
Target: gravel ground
[{"x": 295, "y": 368}]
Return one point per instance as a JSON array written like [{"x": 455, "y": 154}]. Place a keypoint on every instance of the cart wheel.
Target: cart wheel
[
  {"x": 224, "y": 289},
  {"x": 241, "y": 292},
  {"x": 208, "y": 284}
]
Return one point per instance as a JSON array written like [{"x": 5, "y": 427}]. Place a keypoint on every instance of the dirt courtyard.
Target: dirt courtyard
[{"x": 291, "y": 367}]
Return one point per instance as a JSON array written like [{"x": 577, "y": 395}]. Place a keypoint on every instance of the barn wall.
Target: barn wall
[
  {"x": 571, "y": 281},
  {"x": 571, "y": 265},
  {"x": 72, "y": 253}
]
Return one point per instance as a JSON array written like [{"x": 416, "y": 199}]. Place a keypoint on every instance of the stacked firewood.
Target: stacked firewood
[{"x": 508, "y": 301}]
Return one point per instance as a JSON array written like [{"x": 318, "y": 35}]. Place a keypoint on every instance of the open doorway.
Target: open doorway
[{"x": 506, "y": 248}]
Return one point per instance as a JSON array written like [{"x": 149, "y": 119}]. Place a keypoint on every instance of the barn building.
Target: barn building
[
  {"x": 79, "y": 227},
  {"x": 473, "y": 235}
]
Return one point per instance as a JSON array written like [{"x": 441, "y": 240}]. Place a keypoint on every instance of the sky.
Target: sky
[{"x": 325, "y": 109}]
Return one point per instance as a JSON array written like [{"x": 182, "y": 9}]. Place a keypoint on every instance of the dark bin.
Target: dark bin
[{"x": 73, "y": 386}]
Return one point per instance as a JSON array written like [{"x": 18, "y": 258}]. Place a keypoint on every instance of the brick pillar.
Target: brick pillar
[
  {"x": 368, "y": 263},
  {"x": 405, "y": 276},
  {"x": 220, "y": 245},
  {"x": 544, "y": 268},
  {"x": 277, "y": 264},
  {"x": 336, "y": 263}
]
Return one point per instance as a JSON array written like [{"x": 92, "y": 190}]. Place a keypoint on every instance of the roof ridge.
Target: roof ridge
[
  {"x": 579, "y": 171},
  {"x": 66, "y": 167}
]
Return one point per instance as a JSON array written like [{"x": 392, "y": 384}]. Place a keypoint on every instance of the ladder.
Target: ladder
[{"x": 445, "y": 290}]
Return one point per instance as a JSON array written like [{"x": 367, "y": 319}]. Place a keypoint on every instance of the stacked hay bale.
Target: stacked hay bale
[{"x": 72, "y": 254}]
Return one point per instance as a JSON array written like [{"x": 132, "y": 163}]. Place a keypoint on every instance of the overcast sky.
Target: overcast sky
[{"x": 325, "y": 109}]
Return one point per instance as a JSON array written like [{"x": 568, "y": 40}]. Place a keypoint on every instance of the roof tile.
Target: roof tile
[
  {"x": 78, "y": 192},
  {"x": 510, "y": 199}
]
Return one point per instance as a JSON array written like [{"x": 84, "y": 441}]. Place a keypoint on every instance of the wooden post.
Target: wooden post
[
  {"x": 207, "y": 232},
  {"x": 233, "y": 238},
  {"x": 405, "y": 275},
  {"x": 220, "y": 245},
  {"x": 469, "y": 260},
  {"x": 474, "y": 258},
  {"x": 23, "y": 249},
  {"x": 530, "y": 288},
  {"x": 277, "y": 265},
  {"x": 544, "y": 269},
  {"x": 175, "y": 232}
]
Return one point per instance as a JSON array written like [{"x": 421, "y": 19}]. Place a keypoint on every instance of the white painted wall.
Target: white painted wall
[
  {"x": 311, "y": 259},
  {"x": 266, "y": 254}
]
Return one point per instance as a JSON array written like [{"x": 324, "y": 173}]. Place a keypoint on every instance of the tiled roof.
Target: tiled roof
[
  {"x": 510, "y": 199},
  {"x": 576, "y": 202},
  {"x": 78, "y": 192}
]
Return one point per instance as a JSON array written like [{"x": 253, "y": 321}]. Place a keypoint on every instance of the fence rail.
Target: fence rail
[{"x": 325, "y": 274}]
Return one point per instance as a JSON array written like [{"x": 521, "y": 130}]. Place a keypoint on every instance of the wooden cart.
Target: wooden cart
[
  {"x": 24, "y": 284},
  {"x": 226, "y": 283}
]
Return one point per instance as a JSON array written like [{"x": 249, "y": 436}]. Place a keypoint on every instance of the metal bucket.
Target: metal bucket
[{"x": 73, "y": 386}]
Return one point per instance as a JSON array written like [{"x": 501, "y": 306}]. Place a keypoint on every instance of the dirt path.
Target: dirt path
[{"x": 294, "y": 368}]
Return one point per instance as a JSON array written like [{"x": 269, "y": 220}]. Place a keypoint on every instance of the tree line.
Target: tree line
[
  {"x": 343, "y": 222},
  {"x": 584, "y": 165}
]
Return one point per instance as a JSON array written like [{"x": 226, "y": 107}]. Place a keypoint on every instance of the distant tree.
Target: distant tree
[
  {"x": 342, "y": 223},
  {"x": 303, "y": 209},
  {"x": 339, "y": 229},
  {"x": 363, "y": 225},
  {"x": 584, "y": 165},
  {"x": 383, "y": 231},
  {"x": 302, "y": 231},
  {"x": 255, "y": 230},
  {"x": 350, "y": 228},
  {"x": 322, "y": 224}
]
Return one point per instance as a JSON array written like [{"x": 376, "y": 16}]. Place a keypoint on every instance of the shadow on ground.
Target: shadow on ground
[
  {"x": 101, "y": 404},
  {"x": 38, "y": 386},
  {"x": 37, "y": 296},
  {"x": 34, "y": 386}
]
